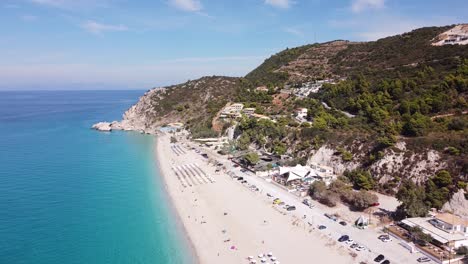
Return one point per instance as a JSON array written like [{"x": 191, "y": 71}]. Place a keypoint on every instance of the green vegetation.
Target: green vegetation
[
  {"x": 412, "y": 199},
  {"x": 437, "y": 189},
  {"x": 263, "y": 133},
  {"x": 402, "y": 106},
  {"x": 252, "y": 158},
  {"x": 345, "y": 155},
  {"x": 340, "y": 190},
  {"x": 418, "y": 236},
  {"x": 416, "y": 200},
  {"x": 265, "y": 73},
  {"x": 361, "y": 179},
  {"x": 463, "y": 250},
  {"x": 400, "y": 52}
]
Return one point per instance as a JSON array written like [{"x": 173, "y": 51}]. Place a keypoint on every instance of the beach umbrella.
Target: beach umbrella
[
  {"x": 273, "y": 259},
  {"x": 250, "y": 257},
  {"x": 253, "y": 261},
  {"x": 263, "y": 260},
  {"x": 260, "y": 256},
  {"x": 270, "y": 254}
]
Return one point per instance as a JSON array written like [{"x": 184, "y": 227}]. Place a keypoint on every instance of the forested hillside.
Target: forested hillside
[{"x": 391, "y": 110}]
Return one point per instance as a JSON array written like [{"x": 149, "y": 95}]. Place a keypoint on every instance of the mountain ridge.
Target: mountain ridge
[{"x": 395, "y": 87}]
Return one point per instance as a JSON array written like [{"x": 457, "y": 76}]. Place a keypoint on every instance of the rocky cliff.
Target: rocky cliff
[
  {"x": 193, "y": 103},
  {"x": 140, "y": 117}
]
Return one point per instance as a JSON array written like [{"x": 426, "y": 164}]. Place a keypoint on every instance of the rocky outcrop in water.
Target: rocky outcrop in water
[{"x": 140, "y": 117}]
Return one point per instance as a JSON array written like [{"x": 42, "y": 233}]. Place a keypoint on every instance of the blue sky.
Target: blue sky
[{"x": 138, "y": 44}]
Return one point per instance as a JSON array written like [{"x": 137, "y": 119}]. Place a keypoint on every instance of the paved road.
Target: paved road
[{"x": 367, "y": 237}]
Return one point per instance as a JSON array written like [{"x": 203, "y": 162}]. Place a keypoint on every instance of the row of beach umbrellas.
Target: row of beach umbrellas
[{"x": 263, "y": 258}]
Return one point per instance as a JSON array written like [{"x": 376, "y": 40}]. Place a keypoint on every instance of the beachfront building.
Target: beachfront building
[
  {"x": 305, "y": 174},
  {"x": 297, "y": 173},
  {"x": 445, "y": 228},
  {"x": 212, "y": 142}
]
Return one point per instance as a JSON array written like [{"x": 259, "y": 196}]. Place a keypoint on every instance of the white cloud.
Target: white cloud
[
  {"x": 72, "y": 4},
  {"x": 98, "y": 28},
  {"x": 294, "y": 31},
  {"x": 279, "y": 3},
  {"x": 187, "y": 5},
  {"x": 358, "y": 6}
]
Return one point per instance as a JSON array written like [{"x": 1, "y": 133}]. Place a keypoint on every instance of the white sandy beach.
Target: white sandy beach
[{"x": 252, "y": 225}]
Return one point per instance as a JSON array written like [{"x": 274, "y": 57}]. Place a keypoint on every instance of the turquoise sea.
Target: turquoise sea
[{"x": 69, "y": 194}]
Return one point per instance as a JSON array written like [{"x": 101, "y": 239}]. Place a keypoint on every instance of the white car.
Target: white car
[
  {"x": 350, "y": 241},
  {"x": 386, "y": 239},
  {"x": 360, "y": 248}
]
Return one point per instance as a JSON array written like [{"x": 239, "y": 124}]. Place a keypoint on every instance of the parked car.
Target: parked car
[
  {"x": 332, "y": 217},
  {"x": 240, "y": 178},
  {"x": 423, "y": 259},
  {"x": 291, "y": 208},
  {"x": 386, "y": 239},
  {"x": 269, "y": 195},
  {"x": 386, "y": 262},
  {"x": 306, "y": 202},
  {"x": 354, "y": 245},
  {"x": 350, "y": 241},
  {"x": 343, "y": 223},
  {"x": 360, "y": 248},
  {"x": 379, "y": 258},
  {"x": 281, "y": 203},
  {"x": 322, "y": 227},
  {"x": 343, "y": 238},
  {"x": 243, "y": 170},
  {"x": 383, "y": 236}
]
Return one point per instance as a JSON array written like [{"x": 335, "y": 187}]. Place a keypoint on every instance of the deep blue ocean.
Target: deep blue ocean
[{"x": 69, "y": 194}]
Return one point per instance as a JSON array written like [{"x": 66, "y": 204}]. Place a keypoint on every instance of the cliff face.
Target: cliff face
[
  {"x": 139, "y": 117},
  {"x": 194, "y": 102},
  {"x": 400, "y": 162}
]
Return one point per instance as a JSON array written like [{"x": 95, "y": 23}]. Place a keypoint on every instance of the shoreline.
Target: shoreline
[
  {"x": 179, "y": 223},
  {"x": 224, "y": 222}
]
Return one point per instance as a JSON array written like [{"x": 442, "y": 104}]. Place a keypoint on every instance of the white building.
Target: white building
[
  {"x": 306, "y": 173},
  {"x": 448, "y": 229},
  {"x": 236, "y": 107},
  {"x": 262, "y": 89},
  {"x": 233, "y": 110},
  {"x": 301, "y": 113}
]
